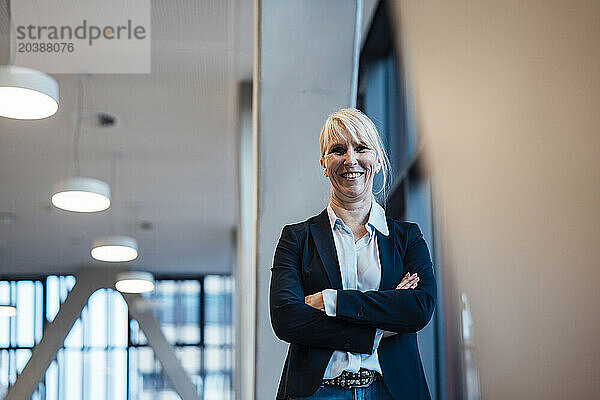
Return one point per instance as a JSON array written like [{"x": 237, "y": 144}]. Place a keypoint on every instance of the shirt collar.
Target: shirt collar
[{"x": 376, "y": 218}]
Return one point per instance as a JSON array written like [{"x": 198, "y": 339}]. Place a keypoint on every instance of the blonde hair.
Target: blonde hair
[{"x": 361, "y": 129}]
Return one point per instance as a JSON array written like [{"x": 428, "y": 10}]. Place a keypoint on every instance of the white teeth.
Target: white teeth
[{"x": 351, "y": 174}]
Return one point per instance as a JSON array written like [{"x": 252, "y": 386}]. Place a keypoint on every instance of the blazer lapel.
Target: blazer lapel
[
  {"x": 321, "y": 231},
  {"x": 387, "y": 257}
]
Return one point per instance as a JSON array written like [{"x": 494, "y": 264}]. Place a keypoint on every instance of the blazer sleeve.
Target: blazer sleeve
[
  {"x": 294, "y": 321},
  {"x": 406, "y": 310}
]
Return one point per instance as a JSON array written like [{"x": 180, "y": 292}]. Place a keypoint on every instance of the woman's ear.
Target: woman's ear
[
  {"x": 322, "y": 162},
  {"x": 378, "y": 166}
]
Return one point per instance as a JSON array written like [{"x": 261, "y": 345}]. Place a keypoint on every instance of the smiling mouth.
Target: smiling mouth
[{"x": 351, "y": 175}]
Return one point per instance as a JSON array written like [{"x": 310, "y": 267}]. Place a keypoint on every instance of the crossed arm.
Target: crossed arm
[
  {"x": 297, "y": 319},
  {"x": 296, "y": 322},
  {"x": 317, "y": 300}
]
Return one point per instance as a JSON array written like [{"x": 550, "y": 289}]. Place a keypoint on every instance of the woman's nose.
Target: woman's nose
[{"x": 350, "y": 157}]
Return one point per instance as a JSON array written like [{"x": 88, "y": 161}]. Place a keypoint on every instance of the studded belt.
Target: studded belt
[{"x": 361, "y": 379}]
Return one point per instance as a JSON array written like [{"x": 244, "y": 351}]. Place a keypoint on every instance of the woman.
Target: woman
[{"x": 349, "y": 287}]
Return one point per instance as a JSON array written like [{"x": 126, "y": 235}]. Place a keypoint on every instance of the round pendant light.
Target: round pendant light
[
  {"x": 115, "y": 249},
  {"x": 26, "y": 93},
  {"x": 135, "y": 282},
  {"x": 81, "y": 195},
  {"x": 7, "y": 310}
]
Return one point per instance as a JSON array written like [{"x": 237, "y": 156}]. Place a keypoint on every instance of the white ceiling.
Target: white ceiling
[{"x": 174, "y": 145}]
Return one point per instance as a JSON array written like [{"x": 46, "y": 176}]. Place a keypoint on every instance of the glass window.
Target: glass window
[
  {"x": 57, "y": 289},
  {"x": 106, "y": 354},
  {"x": 3, "y": 372},
  {"x": 25, "y": 292},
  {"x": 218, "y": 327},
  {"x": 6, "y": 324},
  {"x": 51, "y": 379},
  {"x": 22, "y": 356}
]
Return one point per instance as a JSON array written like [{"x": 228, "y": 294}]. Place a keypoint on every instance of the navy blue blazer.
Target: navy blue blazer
[{"x": 306, "y": 262}]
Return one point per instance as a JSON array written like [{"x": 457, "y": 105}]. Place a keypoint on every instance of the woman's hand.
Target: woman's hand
[
  {"x": 315, "y": 301},
  {"x": 409, "y": 281}
]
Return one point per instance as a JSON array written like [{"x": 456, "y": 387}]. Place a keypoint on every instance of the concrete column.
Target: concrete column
[
  {"x": 245, "y": 272},
  {"x": 303, "y": 72}
]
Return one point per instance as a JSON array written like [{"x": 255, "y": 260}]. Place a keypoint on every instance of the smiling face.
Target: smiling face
[
  {"x": 350, "y": 164},
  {"x": 351, "y": 154}
]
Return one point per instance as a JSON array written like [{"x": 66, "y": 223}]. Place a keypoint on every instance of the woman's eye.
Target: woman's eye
[
  {"x": 361, "y": 148},
  {"x": 338, "y": 150}
]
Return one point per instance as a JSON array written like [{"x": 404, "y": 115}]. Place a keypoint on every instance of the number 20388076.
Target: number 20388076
[{"x": 45, "y": 47}]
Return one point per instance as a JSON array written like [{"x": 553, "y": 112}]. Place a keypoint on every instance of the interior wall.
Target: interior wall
[{"x": 507, "y": 97}]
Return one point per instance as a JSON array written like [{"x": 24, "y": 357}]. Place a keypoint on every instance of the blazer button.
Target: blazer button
[
  {"x": 359, "y": 314},
  {"x": 347, "y": 345}
]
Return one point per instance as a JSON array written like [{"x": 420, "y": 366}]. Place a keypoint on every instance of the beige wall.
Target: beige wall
[{"x": 507, "y": 98}]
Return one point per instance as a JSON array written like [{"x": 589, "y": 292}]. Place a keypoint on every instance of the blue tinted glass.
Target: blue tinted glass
[
  {"x": 117, "y": 318},
  {"x": 66, "y": 285},
  {"x": 52, "y": 381},
  {"x": 73, "y": 374},
  {"x": 166, "y": 296},
  {"x": 25, "y": 313},
  {"x": 4, "y": 321},
  {"x": 191, "y": 307},
  {"x": 96, "y": 324},
  {"x": 39, "y": 307},
  {"x": 52, "y": 297},
  {"x": 22, "y": 356},
  {"x": 4, "y": 369},
  {"x": 217, "y": 299},
  {"x": 95, "y": 367},
  {"x": 137, "y": 335},
  {"x": 4, "y": 292},
  {"x": 218, "y": 386},
  {"x": 190, "y": 358},
  {"x": 75, "y": 337},
  {"x": 117, "y": 365},
  {"x": 134, "y": 385}
]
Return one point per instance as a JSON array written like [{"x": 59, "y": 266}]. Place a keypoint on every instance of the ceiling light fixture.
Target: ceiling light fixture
[
  {"x": 115, "y": 249},
  {"x": 81, "y": 194},
  {"x": 135, "y": 282},
  {"x": 27, "y": 93},
  {"x": 7, "y": 310}
]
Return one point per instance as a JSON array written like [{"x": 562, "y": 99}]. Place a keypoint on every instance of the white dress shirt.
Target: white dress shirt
[{"x": 360, "y": 269}]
